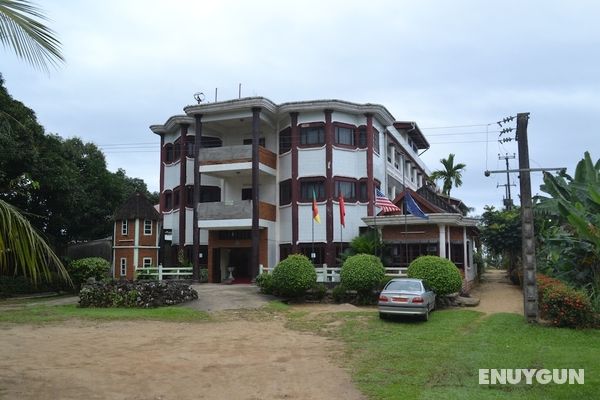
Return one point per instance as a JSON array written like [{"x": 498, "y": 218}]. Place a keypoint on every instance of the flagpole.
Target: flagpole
[
  {"x": 405, "y": 211},
  {"x": 375, "y": 225},
  {"x": 312, "y": 252}
]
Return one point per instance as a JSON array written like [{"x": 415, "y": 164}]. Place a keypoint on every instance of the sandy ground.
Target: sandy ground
[
  {"x": 497, "y": 294},
  {"x": 159, "y": 360}
]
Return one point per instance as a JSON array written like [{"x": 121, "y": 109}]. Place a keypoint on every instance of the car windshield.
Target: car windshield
[{"x": 409, "y": 286}]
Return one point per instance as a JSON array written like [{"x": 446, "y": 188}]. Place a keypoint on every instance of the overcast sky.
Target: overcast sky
[{"x": 130, "y": 64}]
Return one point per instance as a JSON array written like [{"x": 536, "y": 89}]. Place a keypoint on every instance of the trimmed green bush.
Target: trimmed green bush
[
  {"x": 439, "y": 273},
  {"x": 83, "y": 269},
  {"x": 362, "y": 272},
  {"x": 265, "y": 282},
  {"x": 293, "y": 276}
]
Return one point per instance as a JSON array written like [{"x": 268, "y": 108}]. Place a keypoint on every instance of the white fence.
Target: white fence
[
  {"x": 331, "y": 274},
  {"x": 166, "y": 272}
]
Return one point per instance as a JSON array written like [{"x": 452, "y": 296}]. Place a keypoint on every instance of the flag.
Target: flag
[
  {"x": 342, "y": 211},
  {"x": 384, "y": 203},
  {"x": 412, "y": 207},
  {"x": 315, "y": 209}
]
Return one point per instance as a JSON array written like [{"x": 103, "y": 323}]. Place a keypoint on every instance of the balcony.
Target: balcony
[
  {"x": 221, "y": 160},
  {"x": 238, "y": 210}
]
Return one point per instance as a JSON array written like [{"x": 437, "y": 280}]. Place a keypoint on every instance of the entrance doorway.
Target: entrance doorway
[{"x": 239, "y": 258}]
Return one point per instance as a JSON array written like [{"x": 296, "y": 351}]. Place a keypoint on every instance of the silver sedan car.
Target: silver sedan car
[{"x": 405, "y": 296}]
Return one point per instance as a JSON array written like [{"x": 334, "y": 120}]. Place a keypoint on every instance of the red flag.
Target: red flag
[
  {"x": 342, "y": 211},
  {"x": 316, "y": 216}
]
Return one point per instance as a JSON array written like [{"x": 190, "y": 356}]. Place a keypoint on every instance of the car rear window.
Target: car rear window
[{"x": 409, "y": 286}]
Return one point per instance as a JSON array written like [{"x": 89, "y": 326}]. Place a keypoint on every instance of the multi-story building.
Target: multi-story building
[{"x": 256, "y": 167}]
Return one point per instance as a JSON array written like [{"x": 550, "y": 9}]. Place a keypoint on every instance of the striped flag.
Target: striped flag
[
  {"x": 316, "y": 217},
  {"x": 384, "y": 203}
]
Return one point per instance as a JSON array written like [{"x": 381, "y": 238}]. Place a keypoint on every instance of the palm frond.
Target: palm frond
[
  {"x": 23, "y": 251},
  {"x": 22, "y": 29}
]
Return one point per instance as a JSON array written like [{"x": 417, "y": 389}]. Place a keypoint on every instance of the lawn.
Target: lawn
[
  {"x": 42, "y": 313},
  {"x": 440, "y": 359}
]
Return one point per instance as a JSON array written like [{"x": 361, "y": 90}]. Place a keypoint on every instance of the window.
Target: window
[
  {"x": 176, "y": 198},
  {"x": 123, "y": 265},
  {"x": 285, "y": 192},
  {"x": 169, "y": 155},
  {"x": 319, "y": 250},
  {"x": 284, "y": 251},
  {"x": 147, "y": 227},
  {"x": 124, "y": 228},
  {"x": 189, "y": 196},
  {"x": 210, "y": 194},
  {"x": 247, "y": 194},
  {"x": 168, "y": 201},
  {"x": 210, "y": 141},
  {"x": 177, "y": 150},
  {"x": 261, "y": 141},
  {"x": 362, "y": 137},
  {"x": 285, "y": 140},
  {"x": 375, "y": 141},
  {"x": 347, "y": 188},
  {"x": 344, "y": 136},
  {"x": 147, "y": 262},
  {"x": 362, "y": 191},
  {"x": 312, "y": 136},
  {"x": 308, "y": 187},
  {"x": 189, "y": 146}
]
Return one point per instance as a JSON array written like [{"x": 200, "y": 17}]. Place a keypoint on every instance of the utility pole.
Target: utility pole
[
  {"x": 508, "y": 203},
  {"x": 530, "y": 295}
]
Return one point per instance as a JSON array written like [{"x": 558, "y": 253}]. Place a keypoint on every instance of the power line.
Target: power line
[{"x": 458, "y": 126}]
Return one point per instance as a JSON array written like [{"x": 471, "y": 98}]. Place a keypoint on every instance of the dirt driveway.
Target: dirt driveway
[{"x": 161, "y": 360}]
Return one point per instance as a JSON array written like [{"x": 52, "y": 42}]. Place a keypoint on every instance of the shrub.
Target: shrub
[
  {"x": 362, "y": 272},
  {"x": 143, "y": 294},
  {"x": 203, "y": 275},
  {"x": 144, "y": 275},
  {"x": 12, "y": 285},
  {"x": 340, "y": 294},
  {"x": 564, "y": 306},
  {"x": 85, "y": 268},
  {"x": 265, "y": 282},
  {"x": 318, "y": 292},
  {"x": 439, "y": 273},
  {"x": 293, "y": 276}
]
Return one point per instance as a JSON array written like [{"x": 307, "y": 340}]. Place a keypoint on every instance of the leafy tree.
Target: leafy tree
[
  {"x": 23, "y": 30},
  {"x": 501, "y": 235},
  {"x": 451, "y": 174}
]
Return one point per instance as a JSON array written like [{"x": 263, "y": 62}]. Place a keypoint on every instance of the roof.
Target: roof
[
  {"x": 137, "y": 206},
  {"x": 430, "y": 202},
  {"x": 413, "y": 132}
]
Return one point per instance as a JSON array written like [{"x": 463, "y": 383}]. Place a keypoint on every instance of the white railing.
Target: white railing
[
  {"x": 166, "y": 272},
  {"x": 332, "y": 274}
]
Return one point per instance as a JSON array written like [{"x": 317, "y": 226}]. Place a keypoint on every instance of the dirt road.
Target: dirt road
[{"x": 161, "y": 360}]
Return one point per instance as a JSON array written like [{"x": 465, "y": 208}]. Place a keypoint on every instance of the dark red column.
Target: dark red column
[
  {"x": 370, "y": 181},
  {"x": 161, "y": 199},
  {"x": 196, "y": 250},
  {"x": 329, "y": 246},
  {"x": 294, "y": 134},
  {"x": 255, "y": 195},
  {"x": 182, "y": 191}
]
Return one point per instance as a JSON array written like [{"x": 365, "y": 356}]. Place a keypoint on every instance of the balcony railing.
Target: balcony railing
[
  {"x": 241, "y": 209},
  {"x": 236, "y": 154}
]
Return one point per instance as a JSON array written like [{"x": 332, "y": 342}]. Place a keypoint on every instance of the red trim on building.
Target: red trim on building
[
  {"x": 161, "y": 197},
  {"x": 370, "y": 187},
  {"x": 182, "y": 178},
  {"x": 329, "y": 139},
  {"x": 295, "y": 185}
]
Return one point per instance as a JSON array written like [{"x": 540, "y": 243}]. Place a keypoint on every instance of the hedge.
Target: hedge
[
  {"x": 562, "y": 305},
  {"x": 439, "y": 273},
  {"x": 293, "y": 276},
  {"x": 144, "y": 294}
]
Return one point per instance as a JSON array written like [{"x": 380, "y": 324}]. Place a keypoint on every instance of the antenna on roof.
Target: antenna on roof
[{"x": 199, "y": 96}]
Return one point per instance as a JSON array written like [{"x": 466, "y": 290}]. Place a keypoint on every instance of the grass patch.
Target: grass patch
[
  {"x": 409, "y": 359},
  {"x": 42, "y": 314}
]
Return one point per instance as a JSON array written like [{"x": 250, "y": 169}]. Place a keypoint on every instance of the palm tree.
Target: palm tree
[
  {"x": 451, "y": 174},
  {"x": 22, "y": 249},
  {"x": 22, "y": 29}
]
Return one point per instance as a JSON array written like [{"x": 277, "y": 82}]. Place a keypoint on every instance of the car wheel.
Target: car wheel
[
  {"x": 383, "y": 316},
  {"x": 426, "y": 316}
]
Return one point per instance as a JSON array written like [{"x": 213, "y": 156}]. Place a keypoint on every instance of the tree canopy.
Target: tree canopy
[{"x": 451, "y": 175}]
